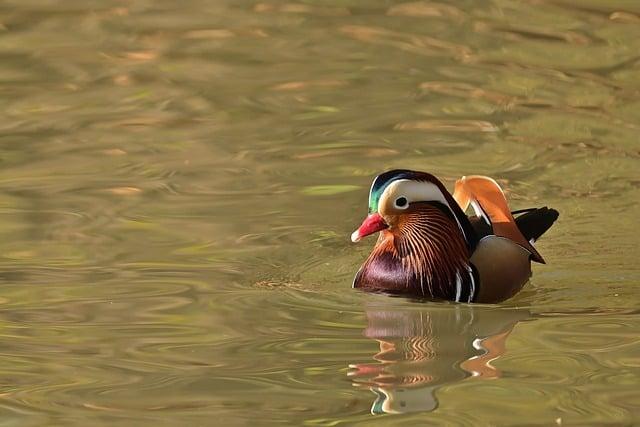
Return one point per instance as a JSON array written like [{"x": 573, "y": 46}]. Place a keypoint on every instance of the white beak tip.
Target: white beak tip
[{"x": 355, "y": 236}]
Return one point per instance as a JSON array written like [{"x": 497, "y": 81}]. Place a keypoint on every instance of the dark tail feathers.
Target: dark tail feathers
[{"x": 533, "y": 223}]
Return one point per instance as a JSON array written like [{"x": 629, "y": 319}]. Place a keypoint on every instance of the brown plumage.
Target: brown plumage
[
  {"x": 408, "y": 258},
  {"x": 429, "y": 248}
]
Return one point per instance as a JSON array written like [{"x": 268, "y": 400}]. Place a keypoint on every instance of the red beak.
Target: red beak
[{"x": 370, "y": 225}]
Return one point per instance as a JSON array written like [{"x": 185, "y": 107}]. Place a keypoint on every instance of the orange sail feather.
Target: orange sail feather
[{"x": 489, "y": 201}]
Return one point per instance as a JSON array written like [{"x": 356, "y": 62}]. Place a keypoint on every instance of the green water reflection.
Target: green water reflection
[{"x": 179, "y": 182}]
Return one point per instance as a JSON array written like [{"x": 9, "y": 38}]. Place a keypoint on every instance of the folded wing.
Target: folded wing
[{"x": 489, "y": 202}]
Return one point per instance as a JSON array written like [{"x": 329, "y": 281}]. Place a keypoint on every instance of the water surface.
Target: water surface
[{"x": 179, "y": 182}]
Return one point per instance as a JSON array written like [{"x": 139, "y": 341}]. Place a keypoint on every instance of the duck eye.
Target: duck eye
[{"x": 401, "y": 202}]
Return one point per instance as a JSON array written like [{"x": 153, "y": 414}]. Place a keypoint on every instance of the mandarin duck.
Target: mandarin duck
[{"x": 429, "y": 248}]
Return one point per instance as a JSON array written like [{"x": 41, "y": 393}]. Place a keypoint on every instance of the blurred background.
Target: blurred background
[{"x": 179, "y": 181}]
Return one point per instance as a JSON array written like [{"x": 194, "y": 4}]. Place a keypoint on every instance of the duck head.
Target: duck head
[
  {"x": 396, "y": 199},
  {"x": 424, "y": 239}
]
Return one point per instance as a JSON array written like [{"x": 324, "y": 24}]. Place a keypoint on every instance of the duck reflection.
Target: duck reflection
[{"x": 422, "y": 349}]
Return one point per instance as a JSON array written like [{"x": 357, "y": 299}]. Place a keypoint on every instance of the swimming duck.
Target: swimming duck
[{"x": 429, "y": 248}]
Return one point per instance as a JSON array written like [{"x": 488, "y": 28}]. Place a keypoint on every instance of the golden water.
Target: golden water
[{"x": 179, "y": 180}]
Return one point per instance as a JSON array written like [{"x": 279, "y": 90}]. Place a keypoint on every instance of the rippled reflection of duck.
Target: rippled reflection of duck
[
  {"x": 426, "y": 348},
  {"x": 428, "y": 247}
]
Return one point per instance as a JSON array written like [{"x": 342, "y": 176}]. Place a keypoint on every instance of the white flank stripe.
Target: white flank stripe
[
  {"x": 473, "y": 285},
  {"x": 458, "y": 286}
]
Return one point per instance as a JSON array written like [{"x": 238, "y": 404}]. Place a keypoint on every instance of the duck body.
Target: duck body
[{"x": 429, "y": 248}]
